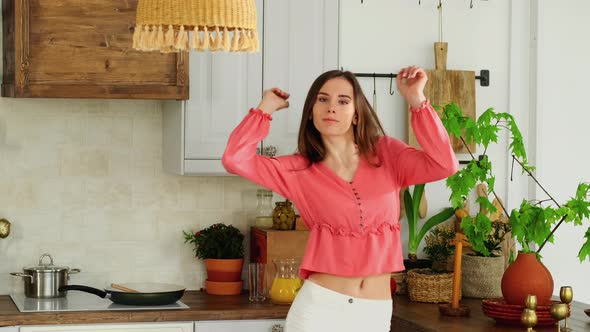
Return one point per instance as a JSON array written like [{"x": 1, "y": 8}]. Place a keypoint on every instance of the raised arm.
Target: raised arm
[
  {"x": 437, "y": 159},
  {"x": 434, "y": 162},
  {"x": 240, "y": 154}
]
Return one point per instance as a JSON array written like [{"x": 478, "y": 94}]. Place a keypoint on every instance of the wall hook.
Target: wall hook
[{"x": 391, "y": 91}]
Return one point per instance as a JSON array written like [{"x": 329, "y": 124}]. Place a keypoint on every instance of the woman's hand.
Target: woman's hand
[
  {"x": 273, "y": 100},
  {"x": 410, "y": 83}
]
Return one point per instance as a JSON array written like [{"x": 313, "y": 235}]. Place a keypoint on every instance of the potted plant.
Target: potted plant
[
  {"x": 416, "y": 233},
  {"x": 434, "y": 284},
  {"x": 439, "y": 247},
  {"x": 412, "y": 203},
  {"x": 532, "y": 223},
  {"x": 222, "y": 248}
]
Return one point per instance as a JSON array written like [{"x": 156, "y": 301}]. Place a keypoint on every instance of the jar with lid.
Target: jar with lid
[
  {"x": 286, "y": 283},
  {"x": 283, "y": 216},
  {"x": 264, "y": 209}
]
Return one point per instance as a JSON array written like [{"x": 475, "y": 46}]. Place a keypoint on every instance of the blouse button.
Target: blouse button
[{"x": 350, "y": 301}]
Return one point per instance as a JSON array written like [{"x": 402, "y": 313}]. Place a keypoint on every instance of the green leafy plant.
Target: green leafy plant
[
  {"x": 412, "y": 205},
  {"x": 218, "y": 241},
  {"x": 439, "y": 246},
  {"x": 533, "y": 222},
  {"x": 494, "y": 239}
]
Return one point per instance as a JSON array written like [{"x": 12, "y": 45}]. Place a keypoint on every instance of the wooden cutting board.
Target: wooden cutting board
[{"x": 445, "y": 86}]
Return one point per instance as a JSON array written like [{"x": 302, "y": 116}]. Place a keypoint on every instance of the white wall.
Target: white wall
[
  {"x": 562, "y": 128},
  {"x": 537, "y": 55}
]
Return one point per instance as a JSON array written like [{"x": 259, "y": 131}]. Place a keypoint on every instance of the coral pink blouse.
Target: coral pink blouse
[{"x": 354, "y": 226}]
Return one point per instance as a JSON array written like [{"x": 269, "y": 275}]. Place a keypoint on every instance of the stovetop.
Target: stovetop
[{"x": 78, "y": 301}]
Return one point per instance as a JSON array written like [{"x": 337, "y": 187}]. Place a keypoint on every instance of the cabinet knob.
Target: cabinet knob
[
  {"x": 277, "y": 328},
  {"x": 269, "y": 151}
]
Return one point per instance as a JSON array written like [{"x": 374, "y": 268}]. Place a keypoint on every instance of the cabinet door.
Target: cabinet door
[
  {"x": 140, "y": 327},
  {"x": 301, "y": 42},
  {"x": 224, "y": 86},
  {"x": 275, "y": 325}
]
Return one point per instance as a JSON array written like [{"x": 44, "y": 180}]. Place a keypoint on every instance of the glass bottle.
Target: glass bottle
[
  {"x": 286, "y": 282},
  {"x": 283, "y": 216},
  {"x": 264, "y": 209}
]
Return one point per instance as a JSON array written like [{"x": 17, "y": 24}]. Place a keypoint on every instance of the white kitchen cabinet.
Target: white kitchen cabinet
[
  {"x": 131, "y": 327},
  {"x": 259, "y": 325},
  {"x": 299, "y": 40}
]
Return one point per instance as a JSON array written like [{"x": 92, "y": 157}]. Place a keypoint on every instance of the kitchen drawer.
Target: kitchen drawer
[
  {"x": 262, "y": 325},
  {"x": 137, "y": 327}
]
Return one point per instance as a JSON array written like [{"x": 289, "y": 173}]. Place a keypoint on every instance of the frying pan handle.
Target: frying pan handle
[{"x": 87, "y": 289}]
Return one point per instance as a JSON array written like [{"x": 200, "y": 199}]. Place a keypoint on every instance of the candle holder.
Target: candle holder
[
  {"x": 529, "y": 316},
  {"x": 529, "y": 319},
  {"x": 566, "y": 294},
  {"x": 559, "y": 311}
]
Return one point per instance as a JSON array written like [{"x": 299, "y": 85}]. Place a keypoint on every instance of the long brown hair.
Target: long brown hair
[{"x": 366, "y": 132}]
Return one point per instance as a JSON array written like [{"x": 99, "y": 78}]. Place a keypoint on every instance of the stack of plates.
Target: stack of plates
[{"x": 510, "y": 314}]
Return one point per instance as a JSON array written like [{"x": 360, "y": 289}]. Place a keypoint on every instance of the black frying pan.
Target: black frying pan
[{"x": 145, "y": 293}]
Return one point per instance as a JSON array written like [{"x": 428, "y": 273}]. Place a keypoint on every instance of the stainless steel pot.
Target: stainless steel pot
[{"x": 43, "y": 281}]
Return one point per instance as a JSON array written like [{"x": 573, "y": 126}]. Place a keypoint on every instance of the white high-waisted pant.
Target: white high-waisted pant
[{"x": 319, "y": 309}]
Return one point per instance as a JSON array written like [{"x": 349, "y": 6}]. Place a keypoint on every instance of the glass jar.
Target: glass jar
[
  {"x": 286, "y": 282},
  {"x": 264, "y": 209},
  {"x": 283, "y": 216}
]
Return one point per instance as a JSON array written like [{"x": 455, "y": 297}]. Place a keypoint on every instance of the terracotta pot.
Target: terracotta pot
[
  {"x": 224, "y": 269},
  {"x": 527, "y": 275},
  {"x": 223, "y": 288}
]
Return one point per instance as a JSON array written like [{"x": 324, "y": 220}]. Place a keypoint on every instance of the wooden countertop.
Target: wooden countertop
[
  {"x": 407, "y": 316},
  {"x": 411, "y": 316},
  {"x": 202, "y": 307}
]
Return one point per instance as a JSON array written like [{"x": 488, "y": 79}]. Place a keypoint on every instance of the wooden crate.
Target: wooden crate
[{"x": 267, "y": 245}]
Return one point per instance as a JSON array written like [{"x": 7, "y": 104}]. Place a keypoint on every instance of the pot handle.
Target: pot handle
[
  {"x": 18, "y": 274},
  {"x": 87, "y": 289},
  {"x": 74, "y": 271}
]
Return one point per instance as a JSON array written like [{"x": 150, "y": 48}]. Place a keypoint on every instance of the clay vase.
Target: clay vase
[{"x": 527, "y": 275}]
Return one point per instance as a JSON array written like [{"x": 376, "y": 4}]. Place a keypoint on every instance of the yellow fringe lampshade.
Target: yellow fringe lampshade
[{"x": 202, "y": 25}]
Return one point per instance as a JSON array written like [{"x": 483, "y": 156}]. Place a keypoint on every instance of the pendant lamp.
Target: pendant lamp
[{"x": 201, "y": 25}]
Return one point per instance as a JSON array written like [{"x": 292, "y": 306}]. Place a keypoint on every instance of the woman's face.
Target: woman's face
[{"x": 333, "y": 111}]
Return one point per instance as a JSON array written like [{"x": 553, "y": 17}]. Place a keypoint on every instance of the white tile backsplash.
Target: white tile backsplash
[{"x": 83, "y": 181}]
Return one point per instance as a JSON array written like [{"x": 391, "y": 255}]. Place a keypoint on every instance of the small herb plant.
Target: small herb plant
[
  {"x": 412, "y": 205},
  {"x": 439, "y": 247},
  {"x": 218, "y": 241},
  {"x": 533, "y": 222}
]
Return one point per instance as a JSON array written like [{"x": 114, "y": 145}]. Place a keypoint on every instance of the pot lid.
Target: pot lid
[{"x": 46, "y": 267}]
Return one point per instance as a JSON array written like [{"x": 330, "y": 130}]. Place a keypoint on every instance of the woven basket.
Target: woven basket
[
  {"x": 425, "y": 286},
  {"x": 481, "y": 277}
]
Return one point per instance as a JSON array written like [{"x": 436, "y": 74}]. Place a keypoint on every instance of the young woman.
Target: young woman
[{"x": 345, "y": 181}]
